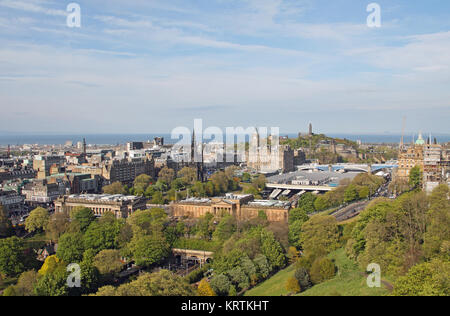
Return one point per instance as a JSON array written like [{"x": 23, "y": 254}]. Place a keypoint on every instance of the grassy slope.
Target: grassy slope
[
  {"x": 348, "y": 281},
  {"x": 275, "y": 286}
]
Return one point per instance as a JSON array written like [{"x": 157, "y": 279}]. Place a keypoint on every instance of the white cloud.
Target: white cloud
[{"x": 31, "y": 6}]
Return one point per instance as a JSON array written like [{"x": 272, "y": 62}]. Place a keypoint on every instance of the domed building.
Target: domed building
[
  {"x": 427, "y": 156},
  {"x": 410, "y": 157},
  {"x": 420, "y": 141}
]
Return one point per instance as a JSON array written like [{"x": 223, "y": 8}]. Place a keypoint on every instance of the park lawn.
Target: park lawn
[
  {"x": 349, "y": 280},
  {"x": 275, "y": 286}
]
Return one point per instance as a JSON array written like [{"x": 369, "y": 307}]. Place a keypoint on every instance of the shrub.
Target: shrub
[
  {"x": 302, "y": 276},
  {"x": 292, "y": 285},
  {"x": 321, "y": 270},
  {"x": 204, "y": 289}
]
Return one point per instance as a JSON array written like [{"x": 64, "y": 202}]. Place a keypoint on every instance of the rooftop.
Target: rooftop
[
  {"x": 329, "y": 177},
  {"x": 104, "y": 197}
]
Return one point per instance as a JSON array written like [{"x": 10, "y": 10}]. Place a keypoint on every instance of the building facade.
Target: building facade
[
  {"x": 122, "y": 206},
  {"x": 126, "y": 170},
  {"x": 242, "y": 207},
  {"x": 10, "y": 199}
]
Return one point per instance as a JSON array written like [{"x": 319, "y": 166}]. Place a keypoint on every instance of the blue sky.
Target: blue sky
[{"x": 148, "y": 66}]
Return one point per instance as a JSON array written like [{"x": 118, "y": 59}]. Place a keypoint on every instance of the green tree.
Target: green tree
[
  {"x": 141, "y": 183},
  {"x": 351, "y": 194},
  {"x": 162, "y": 283},
  {"x": 26, "y": 283},
  {"x": 188, "y": 175},
  {"x": 158, "y": 198},
  {"x": 114, "y": 188},
  {"x": 306, "y": 202},
  {"x": 363, "y": 192},
  {"x": 321, "y": 203},
  {"x": 437, "y": 234},
  {"x": 259, "y": 183},
  {"x": 205, "y": 226},
  {"x": 322, "y": 269},
  {"x": 415, "y": 177},
  {"x": 220, "y": 284},
  {"x": 166, "y": 175},
  {"x": 5, "y": 223},
  {"x": 57, "y": 225},
  {"x": 102, "y": 234},
  {"x": 302, "y": 276},
  {"x": 90, "y": 277},
  {"x": 148, "y": 221},
  {"x": 12, "y": 256},
  {"x": 263, "y": 266},
  {"x": 83, "y": 216},
  {"x": 239, "y": 278},
  {"x": 53, "y": 284},
  {"x": 37, "y": 220},
  {"x": 295, "y": 230},
  {"x": 225, "y": 229},
  {"x": 298, "y": 214},
  {"x": 70, "y": 247},
  {"x": 319, "y": 236},
  {"x": 426, "y": 279},
  {"x": 108, "y": 263},
  {"x": 148, "y": 250},
  {"x": 272, "y": 249}
]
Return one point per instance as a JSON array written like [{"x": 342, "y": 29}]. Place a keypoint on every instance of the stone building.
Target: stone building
[
  {"x": 10, "y": 199},
  {"x": 42, "y": 165},
  {"x": 41, "y": 191},
  {"x": 126, "y": 170},
  {"x": 432, "y": 168},
  {"x": 430, "y": 157},
  {"x": 242, "y": 207},
  {"x": 410, "y": 157},
  {"x": 122, "y": 206},
  {"x": 266, "y": 158}
]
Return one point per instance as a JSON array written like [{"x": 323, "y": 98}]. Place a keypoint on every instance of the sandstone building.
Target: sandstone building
[
  {"x": 243, "y": 207},
  {"x": 122, "y": 206}
]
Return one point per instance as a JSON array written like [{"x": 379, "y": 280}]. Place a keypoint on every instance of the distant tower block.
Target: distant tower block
[
  {"x": 84, "y": 147},
  {"x": 310, "y": 129}
]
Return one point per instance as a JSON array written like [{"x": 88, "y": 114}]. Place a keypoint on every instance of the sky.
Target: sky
[{"x": 148, "y": 66}]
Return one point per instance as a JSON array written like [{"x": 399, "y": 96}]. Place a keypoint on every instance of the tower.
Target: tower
[
  {"x": 310, "y": 129},
  {"x": 199, "y": 166},
  {"x": 84, "y": 147}
]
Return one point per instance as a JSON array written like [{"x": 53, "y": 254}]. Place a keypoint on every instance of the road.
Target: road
[{"x": 353, "y": 209}]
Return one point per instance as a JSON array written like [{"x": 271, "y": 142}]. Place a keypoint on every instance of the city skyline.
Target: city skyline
[{"x": 150, "y": 66}]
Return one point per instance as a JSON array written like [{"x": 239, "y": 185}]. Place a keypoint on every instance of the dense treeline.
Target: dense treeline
[
  {"x": 363, "y": 186},
  {"x": 170, "y": 186},
  {"x": 412, "y": 231}
]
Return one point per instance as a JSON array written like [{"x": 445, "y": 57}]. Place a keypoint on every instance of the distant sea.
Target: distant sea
[{"x": 114, "y": 139}]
